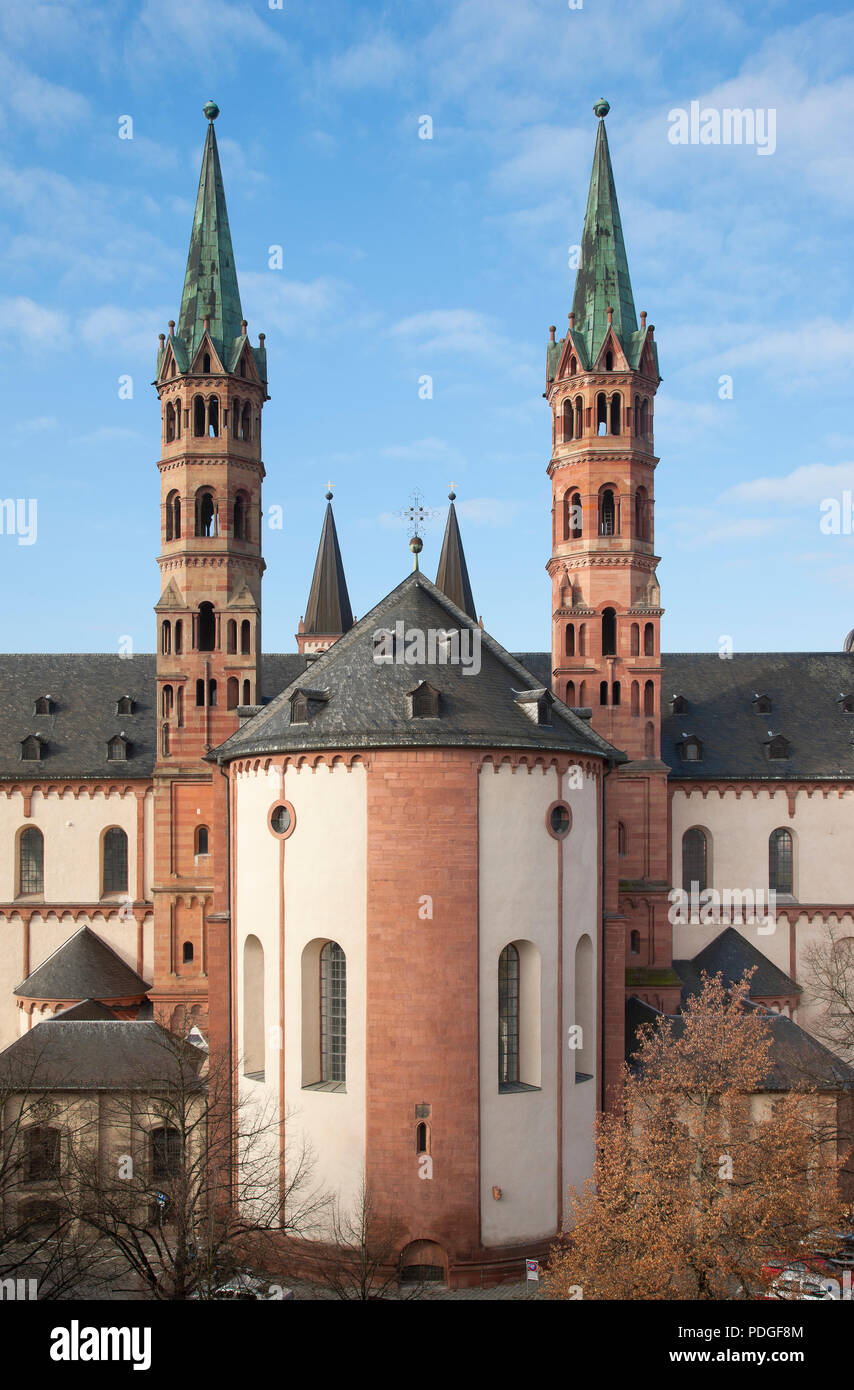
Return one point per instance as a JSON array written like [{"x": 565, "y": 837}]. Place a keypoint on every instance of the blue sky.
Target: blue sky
[{"x": 448, "y": 257}]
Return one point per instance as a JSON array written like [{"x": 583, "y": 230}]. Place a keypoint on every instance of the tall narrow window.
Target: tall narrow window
[
  {"x": 170, "y": 428},
  {"x": 640, "y": 514},
  {"x": 609, "y": 632},
  {"x": 649, "y": 640},
  {"x": 615, "y": 414},
  {"x": 575, "y": 516},
  {"x": 421, "y": 1139},
  {"x": 179, "y": 706},
  {"x": 245, "y": 423},
  {"x": 245, "y": 637},
  {"x": 635, "y": 639},
  {"x": 644, "y": 417},
  {"x": 780, "y": 861},
  {"x": 31, "y": 861},
  {"x": 201, "y": 839},
  {"x": 694, "y": 859},
  {"x": 635, "y": 697},
  {"x": 579, "y": 417},
  {"x": 601, "y": 414},
  {"x": 570, "y": 639},
  {"x": 200, "y": 692},
  {"x": 207, "y": 627},
  {"x": 173, "y": 517},
  {"x": 204, "y": 512},
  {"x": 179, "y": 637},
  {"x": 603, "y": 692},
  {"x": 585, "y": 1052},
  {"x": 41, "y": 1154},
  {"x": 333, "y": 1013},
  {"x": 253, "y": 1009},
  {"x": 115, "y": 861},
  {"x": 239, "y": 517},
  {"x": 567, "y": 420},
  {"x": 508, "y": 1015},
  {"x": 166, "y": 1153},
  {"x": 166, "y": 638},
  {"x": 634, "y": 943},
  {"x": 615, "y": 693},
  {"x": 211, "y": 693},
  {"x": 231, "y": 642},
  {"x": 247, "y": 693},
  {"x": 648, "y": 698},
  {"x": 570, "y": 693},
  {"x": 164, "y": 740},
  {"x": 607, "y": 512},
  {"x": 166, "y": 701},
  {"x": 622, "y": 839},
  {"x": 198, "y": 416},
  {"x": 582, "y": 641},
  {"x": 213, "y": 417},
  {"x": 232, "y": 693}
]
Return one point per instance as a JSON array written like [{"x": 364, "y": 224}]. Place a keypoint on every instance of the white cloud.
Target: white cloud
[
  {"x": 488, "y": 511},
  {"x": 374, "y": 63},
  {"x": 32, "y": 324},
  {"x": 806, "y": 485},
  {"x": 40, "y": 104},
  {"x": 113, "y": 329}
]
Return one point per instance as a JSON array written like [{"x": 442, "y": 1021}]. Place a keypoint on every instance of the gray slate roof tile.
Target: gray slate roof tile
[
  {"x": 83, "y": 967},
  {"x": 63, "y": 1055}
]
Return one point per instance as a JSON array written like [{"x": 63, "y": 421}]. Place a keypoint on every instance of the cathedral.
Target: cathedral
[{"x": 419, "y": 888}]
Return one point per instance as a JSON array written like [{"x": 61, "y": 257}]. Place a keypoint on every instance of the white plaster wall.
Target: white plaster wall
[
  {"x": 519, "y": 901},
  {"x": 72, "y": 841},
  {"x": 325, "y": 897}
]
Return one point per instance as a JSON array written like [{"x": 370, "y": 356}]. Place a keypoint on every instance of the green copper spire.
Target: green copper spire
[
  {"x": 210, "y": 285},
  {"x": 603, "y": 274}
]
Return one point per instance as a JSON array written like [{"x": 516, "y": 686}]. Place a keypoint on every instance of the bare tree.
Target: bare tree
[
  {"x": 830, "y": 975},
  {"x": 359, "y": 1261}
]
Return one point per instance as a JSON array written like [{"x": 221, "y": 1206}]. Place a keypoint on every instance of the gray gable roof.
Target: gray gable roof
[
  {"x": 85, "y": 690},
  {"x": 729, "y": 955},
  {"x": 90, "y": 1010},
  {"x": 367, "y": 704},
  {"x": 804, "y": 688},
  {"x": 69, "y": 1055},
  {"x": 83, "y": 967}
]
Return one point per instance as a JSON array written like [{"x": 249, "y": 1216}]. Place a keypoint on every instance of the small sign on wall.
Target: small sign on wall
[{"x": 532, "y": 1270}]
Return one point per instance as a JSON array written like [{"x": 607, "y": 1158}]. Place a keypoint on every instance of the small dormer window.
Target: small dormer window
[
  {"x": 846, "y": 704},
  {"x": 306, "y": 703},
  {"x": 124, "y": 705},
  {"x": 691, "y": 749},
  {"x": 762, "y": 704},
  {"x": 535, "y": 704},
  {"x": 32, "y": 748},
  {"x": 778, "y": 748},
  {"x": 118, "y": 749},
  {"x": 299, "y": 710},
  {"x": 424, "y": 701},
  {"x": 44, "y": 705},
  {"x": 679, "y": 705}
]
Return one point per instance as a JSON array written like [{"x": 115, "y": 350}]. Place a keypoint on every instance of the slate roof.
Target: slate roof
[
  {"x": 85, "y": 690},
  {"x": 729, "y": 955},
  {"x": 59, "y": 1055},
  {"x": 367, "y": 704},
  {"x": 452, "y": 576},
  {"x": 328, "y": 610},
  {"x": 797, "y": 1058},
  {"x": 804, "y": 688},
  {"x": 83, "y": 967},
  {"x": 89, "y": 1010}
]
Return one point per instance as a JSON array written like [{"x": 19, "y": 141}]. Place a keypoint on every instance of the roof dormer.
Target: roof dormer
[
  {"x": 118, "y": 748},
  {"x": 762, "y": 703},
  {"x": 423, "y": 701},
  {"x": 690, "y": 748},
  {"x": 305, "y": 703},
  {"x": 45, "y": 704},
  {"x": 33, "y": 748},
  {"x": 536, "y": 704},
  {"x": 777, "y": 747},
  {"x": 125, "y": 704}
]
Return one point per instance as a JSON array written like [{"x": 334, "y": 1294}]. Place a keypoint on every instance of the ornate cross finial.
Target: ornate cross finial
[
  {"x": 452, "y": 494},
  {"x": 416, "y": 515},
  {"x": 329, "y": 487}
]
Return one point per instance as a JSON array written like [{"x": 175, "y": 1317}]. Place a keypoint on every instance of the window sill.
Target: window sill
[
  {"x": 337, "y": 1086},
  {"x": 507, "y": 1088},
  {"x": 583, "y": 1076},
  {"x": 253, "y": 1076}
]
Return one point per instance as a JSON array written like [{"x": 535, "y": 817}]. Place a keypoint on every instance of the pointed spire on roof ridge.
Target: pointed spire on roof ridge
[
  {"x": 452, "y": 576},
  {"x": 328, "y": 612},
  {"x": 602, "y": 281},
  {"x": 210, "y": 283}
]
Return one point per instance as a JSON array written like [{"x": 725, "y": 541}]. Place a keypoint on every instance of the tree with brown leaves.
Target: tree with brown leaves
[{"x": 705, "y": 1173}]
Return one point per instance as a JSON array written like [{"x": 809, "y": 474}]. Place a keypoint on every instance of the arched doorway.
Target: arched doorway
[{"x": 423, "y": 1262}]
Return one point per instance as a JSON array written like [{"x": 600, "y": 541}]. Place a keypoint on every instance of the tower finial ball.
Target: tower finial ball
[
  {"x": 601, "y": 108},
  {"x": 211, "y": 110}
]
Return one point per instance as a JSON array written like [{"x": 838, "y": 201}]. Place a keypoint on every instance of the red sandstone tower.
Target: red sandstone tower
[
  {"x": 601, "y": 384},
  {"x": 212, "y": 385}
]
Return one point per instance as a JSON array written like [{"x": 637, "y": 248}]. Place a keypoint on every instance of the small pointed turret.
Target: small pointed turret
[
  {"x": 452, "y": 576},
  {"x": 210, "y": 284},
  {"x": 328, "y": 614},
  {"x": 602, "y": 281}
]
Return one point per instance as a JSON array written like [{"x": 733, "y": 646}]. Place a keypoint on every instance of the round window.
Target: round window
[
  {"x": 559, "y": 820},
  {"x": 281, "y": 820}
]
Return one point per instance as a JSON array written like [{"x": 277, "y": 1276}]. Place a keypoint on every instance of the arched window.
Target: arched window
[
  {"x": 333, "y": 1013},
  {"x": 573, "y": 366},
  {"x": 247, "y": 693},
  {"x": 582, "y": 641},
  {"x": 42, "y": 1153},
  {"x": 615, "y": 693},
  {"x": 616, "y": 401},
  {"x": 622, "y": 839},
  {"x": 585, "y": 1051},
  {"x": 567, "y": 420},
  {"x": 579, "y": 417},
  {"x": 204, "y": 512},
  {"x": 508, "y": 1015},
  {"x": 635, "y": 705},
  {"x": 607, "y": 512},
  {"x": 649, "y": 639},
  {"x": 173, "y": 517},
  {"x": 207, "y": 627},
  {"x": 649, "y": 741},
  {"x": 179, "y": 706},
  {"x": 253, "y": 1009},
  {"x": 213, "y": 417},
  {"x": 634, "y": 943},
  {"x": 694, "y": 859},
  {"x": 780, "y": 861},
  {"x": 245, "y": 637},
  {"x": 201, "y": 839},
  {"x": 601, "y": 413},
  {"x": 640, "y": 514},
  {"x": 164, "y": 740},
  {"x": 635, "y": 639},
  {"x": 609, "y": 361},
  {"x": 187, "y": 953},
  {"x": 206, "y": 363},
  {"x": 648, "y": 697},
  {"x": 575, "y": 516},
  {"x": 115, "y": 871},
  {"x": 170, "y": 423},
  {"x": 166, "y": 696},
  {"x": 240, "y": 517},
  {"x": 211, "y": 693},
  {"x": 179, "y": 637},
  {"x": 31, "y": 860},
  {"x": 245, "y": 423},
  {"x": 582, "y": 695},
  {"x": 637, "y": 415},
  {"x": 569, "y": 698},
  {"x": 644, "y": 418},
  {"x": 570, "y": 639},
  {"x": 422, "y": 1139},
  {"x": 166, "y": 1153},
  {"x": 603, "y": 692},
  {"x": 200, "y": 692},
  {"x": 609, "y": 632},
  {"x": 199, "y": 417},
  {"x": 231, "y": 637},
  {"x": 166, "y": 638},
  {"x": 232, "y": 693}
]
